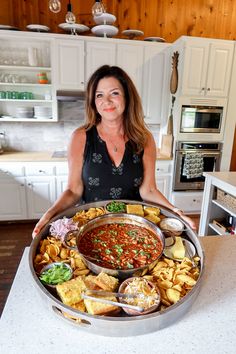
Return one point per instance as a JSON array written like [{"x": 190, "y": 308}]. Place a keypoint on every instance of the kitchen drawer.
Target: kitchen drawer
[
  {"x": 190, "y": 202},
  {"x": 11, "y": 169},
  {"x": 163, "y": 166},
  {"x": 39, "y": 169},
  {"x": 62, "y": 168}
]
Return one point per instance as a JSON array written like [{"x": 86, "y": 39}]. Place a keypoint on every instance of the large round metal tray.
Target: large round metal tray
[{"x": 119, "y": 326}]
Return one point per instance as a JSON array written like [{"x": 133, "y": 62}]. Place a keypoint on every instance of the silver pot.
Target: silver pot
[{"x": 112, "y": 218}]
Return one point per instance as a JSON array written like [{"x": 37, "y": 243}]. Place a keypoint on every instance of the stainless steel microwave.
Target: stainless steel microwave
[{"x": 201, "y": 119}]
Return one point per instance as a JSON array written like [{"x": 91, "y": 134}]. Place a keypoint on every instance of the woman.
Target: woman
[{"x": 113, "y": 155}]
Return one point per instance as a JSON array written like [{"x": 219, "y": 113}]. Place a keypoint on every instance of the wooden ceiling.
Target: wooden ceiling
[{"x": 163, "y": 18}]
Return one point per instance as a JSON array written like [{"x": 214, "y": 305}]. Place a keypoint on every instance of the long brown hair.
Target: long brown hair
[{"x": 134, "y": 125}]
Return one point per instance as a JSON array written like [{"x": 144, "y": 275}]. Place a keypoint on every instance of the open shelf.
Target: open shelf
[{"x": 224, "y": 207}]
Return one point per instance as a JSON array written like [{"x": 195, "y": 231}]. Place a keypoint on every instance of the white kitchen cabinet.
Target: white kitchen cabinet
[
  {"x": 61, "y": 177},
  {"x": 189, "y": 202},
  {"x": 27, "y": 189},
  {"x": 154, "y": 84},
  {"x": 40, "y": 194},
  {"x": 69, "y": 63},
  {"x": 98, "y": 54},
  {"x": 163, "y": 176},
  {"x": 19, "y": 80},
  {"x": 12, "y": 192},
  {"x": 130, "y": 58},
  {"x": 13, "y": 199},
  {"x": 217, "y": 208},
  {"x": 207, "y": 67}
]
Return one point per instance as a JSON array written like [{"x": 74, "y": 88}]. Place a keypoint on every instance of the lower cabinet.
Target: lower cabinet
[
  {"x": 190, "y": 202},
  {"x": 163, "y": 176},
  {"x": 40, "y": 195},
  {"x": 28, "y": 189},
  {"x": 13, "y": 198}
]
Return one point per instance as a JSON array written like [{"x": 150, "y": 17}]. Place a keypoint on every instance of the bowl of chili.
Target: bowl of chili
[{"x": 122, "y": 245}]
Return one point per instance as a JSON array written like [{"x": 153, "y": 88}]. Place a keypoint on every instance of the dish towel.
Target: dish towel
[{"x": 193, "y": 165}]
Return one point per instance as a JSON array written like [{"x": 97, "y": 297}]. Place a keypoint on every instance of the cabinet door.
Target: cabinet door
[
  {"x": 98, "y": 54},
  {"x": 153, "y": 84},
  {"x": 163, "y": 184},
  {"x": 61, "y": 184},
  {"x": 195, "y": 68},
  {"x": 69, "y": 62},
  {"x": 13, "y": 199},
  {"x": 219, "y": 69},
  {"x": 41, "y": 193},
  {"x": 130, "y": 59}
]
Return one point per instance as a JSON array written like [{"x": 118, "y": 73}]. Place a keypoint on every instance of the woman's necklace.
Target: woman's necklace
[{"x": 114, "y": 146}]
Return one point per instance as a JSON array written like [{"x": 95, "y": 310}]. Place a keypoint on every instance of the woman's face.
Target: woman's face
[{"x": 109, "y": 98}]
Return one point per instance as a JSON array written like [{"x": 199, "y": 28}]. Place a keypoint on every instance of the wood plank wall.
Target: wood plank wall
[{"x": 163, "y": 18}]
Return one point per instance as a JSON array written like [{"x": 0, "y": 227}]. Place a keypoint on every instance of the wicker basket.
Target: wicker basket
[{"x": 227, "y": 199}]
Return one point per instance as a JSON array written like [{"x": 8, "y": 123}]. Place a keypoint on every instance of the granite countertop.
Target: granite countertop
[
  {"x": 28, "y": 324},
  {"x": 46, "y": 156}
]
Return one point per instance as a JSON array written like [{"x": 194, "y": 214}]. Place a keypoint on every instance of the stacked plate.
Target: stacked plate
[
  {"x": 44, "y": 112},
  {"x": 24, "y": 112},
  {"x": 105, "y": 27}
]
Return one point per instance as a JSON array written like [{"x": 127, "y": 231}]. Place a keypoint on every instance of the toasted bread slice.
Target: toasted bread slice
[
  {"x": 79, "y": 306},
  {"x": 106, "y": 282},
  {"x": 152, "y": 217},
  {"x": 90, "y": 282},
  {"x": 99, "y": 308},
  {"x": 70, "y": 291},
  {"x": 152, "y": 210},
  {"x": 136, "y": 209}
]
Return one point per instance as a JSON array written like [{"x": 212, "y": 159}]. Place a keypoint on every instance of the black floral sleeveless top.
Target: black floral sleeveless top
[{"x": 102, "y": 179}]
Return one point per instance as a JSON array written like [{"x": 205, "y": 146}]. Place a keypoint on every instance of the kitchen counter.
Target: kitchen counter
[
  {"x": 29, "y": 156},
  {"x": 45, "y": 156},
  {"x": 28, "y": 326}
]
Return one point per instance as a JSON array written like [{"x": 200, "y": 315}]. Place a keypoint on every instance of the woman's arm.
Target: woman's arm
[
  {"x": 148, "y": 189},
  {"x": 74, "y": 189}
]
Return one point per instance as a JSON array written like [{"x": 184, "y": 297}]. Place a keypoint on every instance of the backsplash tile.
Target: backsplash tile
[{"x": 50, "y": 136}]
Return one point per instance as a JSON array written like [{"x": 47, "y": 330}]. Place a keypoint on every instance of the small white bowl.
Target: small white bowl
[{"x": 173, "y": 225}]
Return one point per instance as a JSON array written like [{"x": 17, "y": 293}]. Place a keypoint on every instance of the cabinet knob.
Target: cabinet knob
[
  {"x": 203, "y": 88},
  {"x": 41, "y": 171},
  {"x": 208, "y": 89},
  {"x": 30, "y": 184},
  {"x": 22, "y": 185}
]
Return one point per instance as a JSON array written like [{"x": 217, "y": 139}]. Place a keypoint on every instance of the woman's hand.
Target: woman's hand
[
  {"x": 187, "y": 219},
  {"x": 40, "y": 224}
]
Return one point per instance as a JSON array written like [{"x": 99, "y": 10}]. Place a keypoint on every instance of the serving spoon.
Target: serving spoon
[{"x": 110, "y": 302}]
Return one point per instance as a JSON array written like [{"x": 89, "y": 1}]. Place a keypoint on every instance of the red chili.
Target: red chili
[{"x": 123, "y": 246}]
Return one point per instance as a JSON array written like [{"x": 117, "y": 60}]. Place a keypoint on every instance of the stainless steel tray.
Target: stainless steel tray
[{"x": 119, "y": 326}]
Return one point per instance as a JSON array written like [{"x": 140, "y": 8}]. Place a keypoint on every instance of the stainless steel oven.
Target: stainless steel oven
[
  {"x": 201, "y": 119},
  {"x": 192, "y": 159}
]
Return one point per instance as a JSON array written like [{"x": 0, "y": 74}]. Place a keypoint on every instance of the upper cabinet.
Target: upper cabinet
[
  {"x": 69, "y": 64},
  {"x": 26, "y": 78},
  {"x": 130, "y": 58},
  {"x": 207, "y": 67},
  {"x": 99, "y": 53},
  {"x": 155, "y": 83}
]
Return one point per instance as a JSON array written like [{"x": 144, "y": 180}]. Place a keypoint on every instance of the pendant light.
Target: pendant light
[
  {"x": 70, "y": 17},
  {"x": 98, "y": 8},
  {"x": 54, "y": 6}
]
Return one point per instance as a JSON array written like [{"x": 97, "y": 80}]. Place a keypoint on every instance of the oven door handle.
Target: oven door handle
[{"x": 204, "y": 154}]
